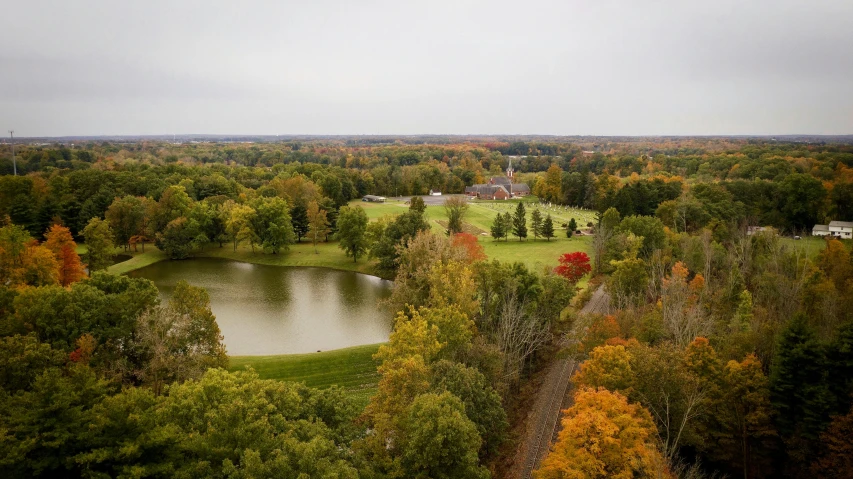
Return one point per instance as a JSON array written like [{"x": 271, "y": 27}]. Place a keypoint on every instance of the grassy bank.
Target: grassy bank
[{"x": 351, "y": 368}]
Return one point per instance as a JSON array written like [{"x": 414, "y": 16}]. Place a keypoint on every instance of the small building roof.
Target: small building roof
[
  {"x": 841, "y": 224},
  {"x": 820, "y": 228}
]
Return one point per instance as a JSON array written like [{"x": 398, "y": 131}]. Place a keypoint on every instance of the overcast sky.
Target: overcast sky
[{"x": 570, "y": 67}]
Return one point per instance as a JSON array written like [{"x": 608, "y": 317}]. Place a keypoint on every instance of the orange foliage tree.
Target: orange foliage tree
[
  {"x": 59, "y": 241},
  {"x": 604, "y": 436},
  {"x": 468, "y": 242}
]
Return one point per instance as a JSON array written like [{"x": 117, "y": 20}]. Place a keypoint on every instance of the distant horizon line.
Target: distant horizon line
[{"x": 417, "y": 135}]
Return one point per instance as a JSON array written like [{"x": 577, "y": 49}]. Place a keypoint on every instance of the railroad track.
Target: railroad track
[
  {"x": 545, "y": 432},
  {"x": 556, "y": 386}
]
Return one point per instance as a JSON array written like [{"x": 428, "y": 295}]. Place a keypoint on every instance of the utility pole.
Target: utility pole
[{"x": 12, "y": 143}]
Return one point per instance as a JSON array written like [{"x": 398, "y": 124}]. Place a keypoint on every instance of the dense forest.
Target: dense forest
[{"x": 725, "y": 353}]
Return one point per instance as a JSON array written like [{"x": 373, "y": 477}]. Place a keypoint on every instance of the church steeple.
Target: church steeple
[{"x": 509, "y": 169}]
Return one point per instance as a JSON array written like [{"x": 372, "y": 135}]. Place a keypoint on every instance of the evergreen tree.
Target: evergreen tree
[
  {"x": 548, "y": 228},
  {"x": 506, "y": 218},
  {"x": 519, "y": 222},
  {"x": 572, "y": 227},
  {"x": 799, "y": 388},
  {"x": 536, "y": 223},
  {"x": 299, "y": 219},
  {"x": 498, "y": 230}
]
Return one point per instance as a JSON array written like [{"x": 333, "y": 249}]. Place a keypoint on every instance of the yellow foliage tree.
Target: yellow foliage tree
[{"x": 604, "y": 437}]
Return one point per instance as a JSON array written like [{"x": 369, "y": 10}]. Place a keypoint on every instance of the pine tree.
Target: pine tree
[
  {"x": 536, "y": 223},
  {"x": 506, "y": 218},
  {"x": 548, "y": 228},
  {"x": 799, "y": 388},
  {"x": 498, "y": 230},
  {"x": 572, "y": 227},
  {"x": 519, "y": 222}
]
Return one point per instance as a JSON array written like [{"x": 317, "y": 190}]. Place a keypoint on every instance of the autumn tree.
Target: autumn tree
[
  {"x": 99, "y": 244},
  {"x": 318, "y": 225},
  {"x": 59, "y": 241},
  {"x": 469, "y": 243},
  {"x": 604, "y": 436},
  {"x": 835, "y": 458},
  {"x": 352, "y": 226},
  {"x": 238, "y": 223},
  {"x": 455, "y": 208},
  {"x": 179, "y": 341},
  {"x": 573, "y": 266}
]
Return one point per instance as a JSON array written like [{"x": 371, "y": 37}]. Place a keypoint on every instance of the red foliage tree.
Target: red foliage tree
[
  {"x": 469, "y": 242},
  {"x": 573, "y": 266}
]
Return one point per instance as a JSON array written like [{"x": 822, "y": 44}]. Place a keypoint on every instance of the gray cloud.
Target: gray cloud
[{"x": 551, "y": 67}]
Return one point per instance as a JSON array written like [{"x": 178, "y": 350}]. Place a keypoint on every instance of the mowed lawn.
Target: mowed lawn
[
  {"x": 351, "y": 368},
  {"x": 535, "y": 254}
]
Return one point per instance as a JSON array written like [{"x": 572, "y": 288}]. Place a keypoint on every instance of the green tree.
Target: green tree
[
  {"x": 482, "y": 403},
  {"x": 548, "y": 228},
  {"x": 455, "y": 207},
  {"x": 799, "y": 388},
  {"x": 99, "y": 244},
  {"x": 23, "y": 359},
  {"x": 647, "y": 227},
  {"x": 125, "y": 216},
  {"x": 536, "y": 223},
  {"x": 272, "y": 223},
  {"x": 174, "y": 203},
  {"x": 519, "y": 222},
  {"x": 398, "y": 232},
  {"x": 177, "y": 239},
  {"x": 352, "y": 226},
  {"x": 571, "y": 228},
  {"x": 441, "y": 442},
  {"x": 498, "y": 231},
  {"x": 299, "y": 219}
]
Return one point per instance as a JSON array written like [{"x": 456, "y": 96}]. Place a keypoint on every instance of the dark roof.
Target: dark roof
[
  {"x": 500, "y": 180},
  {"x": 520, "y": 187},
  {"x": 485, "y": 189}
]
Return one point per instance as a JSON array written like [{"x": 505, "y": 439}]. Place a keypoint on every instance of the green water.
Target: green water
[{"x": 264, "y": 310}]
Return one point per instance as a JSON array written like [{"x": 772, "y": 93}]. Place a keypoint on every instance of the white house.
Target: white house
[
  {"x": 820, "y": 230},
  {"x": 841, "y": 229}
]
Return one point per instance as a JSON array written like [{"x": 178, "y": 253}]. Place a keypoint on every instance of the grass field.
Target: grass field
[
  {"x": 533, "y": 253},
  {"x": 351, "y": 368}
]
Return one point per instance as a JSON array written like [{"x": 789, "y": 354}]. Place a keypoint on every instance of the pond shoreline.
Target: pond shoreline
[
  {"x": 269, "y": 310},
  {"x": 300, "y": 254}
]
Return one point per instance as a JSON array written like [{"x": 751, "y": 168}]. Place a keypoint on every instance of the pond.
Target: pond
[{"x": 265, "y": 310}]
